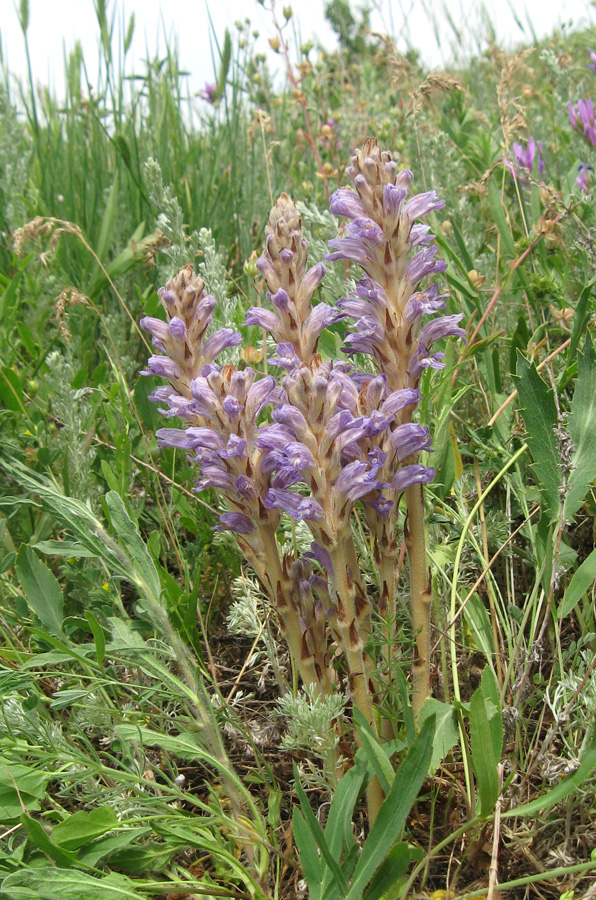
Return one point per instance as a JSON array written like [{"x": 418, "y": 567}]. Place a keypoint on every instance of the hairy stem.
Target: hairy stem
[
  {"x": 421, "y": 595},
  {"x": 351, "y": 611},
  {"x": 271, "y": 574}
]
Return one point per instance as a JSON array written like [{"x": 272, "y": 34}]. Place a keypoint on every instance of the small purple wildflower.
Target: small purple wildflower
[
  {"x": 524, "y": 159},
  {"x": 584, "y": 177},
  {"x": 210, "y": 93},
  {"x": 582, "y": 119}
]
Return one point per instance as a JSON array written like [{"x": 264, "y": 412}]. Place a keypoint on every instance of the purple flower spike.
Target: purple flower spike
[
  {"x": 592, "y": 66},
  {"x": 237, "y": 522},
  {"x": 178, "y": 329},
  {"x": 399, "y": 400},
  {"x": 382, "y": 505}
]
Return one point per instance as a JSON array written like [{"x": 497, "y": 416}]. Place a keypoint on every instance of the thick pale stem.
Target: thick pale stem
[
  {"x": 350, "y": 631},
  {"x": 421, "y": 594},
  {"x": 271, "y": 574}
]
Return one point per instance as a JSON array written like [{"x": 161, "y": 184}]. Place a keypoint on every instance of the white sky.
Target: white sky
[{"x": 55, "y": 25}]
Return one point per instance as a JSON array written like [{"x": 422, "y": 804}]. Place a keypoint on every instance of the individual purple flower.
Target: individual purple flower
[
  {"x": 410, "y": 439},
  {"x": 234, "y": 521},
  {"x": 358, "y": 479},
  {"x": 409, "y": 475},
  {"x": 582, "y": 119},
  {"x": 210, "y": 93},
  {"x": 295, "y": 505},
  {"x": 321, "y": 556},
  {"x": 584, "y": 177},
  {"x": 592, "y": 65},
  {"x": 524, "y": 159}
]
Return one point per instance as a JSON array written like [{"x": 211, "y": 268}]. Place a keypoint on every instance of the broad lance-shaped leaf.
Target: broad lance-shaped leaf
[
  {"x": 486, "y": 736},
  {"x": 394, "y": 811},
  {"x": 540, "y": 415},
  {"x": 446, "y": 731},
  {"x": 582, "y": 428},
  {"x": 143, "y": 572},
  {"x": 51, "y": 883},
  {"x": 41, "y": 589}
]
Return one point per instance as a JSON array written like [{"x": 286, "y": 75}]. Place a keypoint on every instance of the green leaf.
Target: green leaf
[
  {"x": 338, "y": 830},
  {"x": 582, "y": 580},
  {"x": 11, "y": 390},
  {"x": 9, "y": 300},
  {"x": 490, "y": 690},
  {"x": 108, "y": 225},
  {"x": 70, "y": 549},
  {"x": 20, "y": 786},
  {"x": 49, "y": 883},
  {"x": 582, "y": 428},
  {"x": 145, "y": 574},
  {"x": 12, "y": 680},
  {"x": 394, "y": 811},
  {"x": 40, "y": 839},
  {"x": 83, "y": 827},
  {"x": 540, "y": 415},
  {"x": 66, "y": 698},
  {"x": 98, "y": 636},
  {"x": 484, "y": 759},
  {"x": 317, "y": 834},
  {"x": 102, "y": 848},
  {"x": 308, "y": 853},
  {"x": 562, "y": 790},
  {"x": 496, "y": 205},
  {"x": 580, "y": 319},
  {"x": 391, "y": 870},
  {"x": 41, "y": 589},
  {"x": 446, "y": 730},
  {"x": 375, "y": 755},
  {"x": 478, "y": 620}
]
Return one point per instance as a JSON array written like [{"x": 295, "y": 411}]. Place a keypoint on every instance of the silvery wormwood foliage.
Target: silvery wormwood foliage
[{"x": 324, "y": 436}]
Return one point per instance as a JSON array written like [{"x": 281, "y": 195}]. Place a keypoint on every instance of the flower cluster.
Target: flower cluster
[{"x": 325, "y": 436}]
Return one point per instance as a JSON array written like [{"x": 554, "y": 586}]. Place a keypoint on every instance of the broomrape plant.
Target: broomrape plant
[{"x": 325, "y": 436}]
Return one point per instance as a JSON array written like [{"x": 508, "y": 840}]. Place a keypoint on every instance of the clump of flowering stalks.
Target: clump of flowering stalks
[{"x": 324, "y": 437}]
